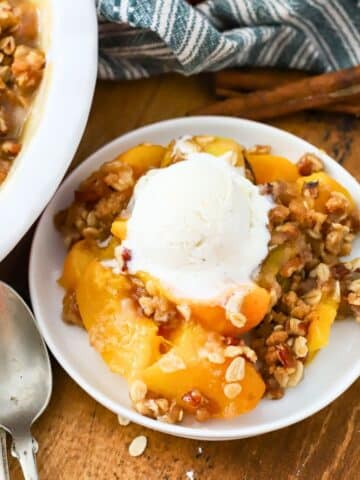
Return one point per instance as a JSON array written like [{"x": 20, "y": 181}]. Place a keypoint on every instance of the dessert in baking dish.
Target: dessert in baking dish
[{"x": 22, "y": 64}]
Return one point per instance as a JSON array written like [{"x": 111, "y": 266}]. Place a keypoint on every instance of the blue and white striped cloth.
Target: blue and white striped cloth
[{"x": 139, "y": 38}]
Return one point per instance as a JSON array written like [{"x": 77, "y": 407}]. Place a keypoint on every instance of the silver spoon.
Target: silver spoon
[
  {"x": 4, "y": 468},
  {"x": 25, "y": 377}
]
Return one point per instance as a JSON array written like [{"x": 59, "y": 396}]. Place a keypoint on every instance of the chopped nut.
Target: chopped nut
[
  {"x": 355, "y": 286},
  {"x": 313, "y": 297},
  {"x": 163, "y": 404},
  {"x": 335, "y": 238},
  {"x": 352, "y": 266},
  {"x": 289, "y": 300},
  {"x": 281, "y": 376},
  {"x": 337, "y": 203},
  {"x": 153, "y": 406},
  {"x": 176, "y": 413},
  {"x": 277, "y": 337},
  {"x": 138, "y": 391},
  {"x": 7, "y": 45},
  {"x": 91, "y": 219},
  {"x": 286, "y": 357},
  {"x": 284, "y": 233},
  {"x": 279, "y": 214},
  {"x": 120, "y": 180},
  {"x": 202, "y": 414},
  {"x": 300, "y": 347},
  {"x": 273, "y": 390},
  {"x": 354, "y": 299},
  {"x": 28, "y": 66},
  {"x": 232, "y": 390},
  {"x": 160, "y": 409},
  {"x": 147, "y": 305},
  {"x": 300, "y": 310},
  {"x": 271, "y": 356},
  {"x": 8, "y": 18},
  {"x": 297, "y": 376},
  {"x": 291, "y": 266},
  {"x": 309, "y": 163},
  {"x": 194, "y": 398},
  {"x": 138, "y": 446},
  {"x": 315, "y": 221},
  {"x": 278, "y": 327},
  {"x": 295, "y": 326},
  {"x": 236, "y": 370},
  {"x": 322, "y": 272}
]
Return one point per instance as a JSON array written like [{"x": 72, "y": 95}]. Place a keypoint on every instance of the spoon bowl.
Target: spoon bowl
[{"x": 25, "y": 375}]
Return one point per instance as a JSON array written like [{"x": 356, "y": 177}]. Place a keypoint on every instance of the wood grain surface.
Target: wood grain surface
[{"x": 80, "y": 440}]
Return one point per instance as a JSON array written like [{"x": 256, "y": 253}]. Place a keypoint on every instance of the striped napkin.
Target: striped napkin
[{"x": 139, "y": 38}]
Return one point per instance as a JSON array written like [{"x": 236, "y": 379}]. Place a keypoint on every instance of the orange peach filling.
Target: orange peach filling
[{"x": 131, "y": 345}]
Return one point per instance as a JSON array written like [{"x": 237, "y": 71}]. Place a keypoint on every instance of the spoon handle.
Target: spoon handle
[
  {"x": 24, "y": 448},
  {"x": 4, "y": 467}
]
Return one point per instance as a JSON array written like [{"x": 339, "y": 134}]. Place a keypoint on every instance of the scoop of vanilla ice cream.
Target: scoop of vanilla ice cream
[{"x": 199, "y": 226}]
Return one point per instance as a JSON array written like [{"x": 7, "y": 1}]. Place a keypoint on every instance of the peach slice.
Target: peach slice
[
  {"x": 143, "y": 157},
  {"x": 255, "y": 305},
  {"x": 269, "y": 168},
  {"x": 326, "y": 185},
  {"x": 320, "y": 327},
  {"x": 76, "y": 261},
  {"x": 119, "y": 229},
  {"x": 220, "y": 146},
  {"x": 276, "y": 259},
  {"x": 127, "y": 341},
  {"x": 212, "y": 316},
  {"x": 79, "y": 257},
  {"x": 191, "y": 371}
]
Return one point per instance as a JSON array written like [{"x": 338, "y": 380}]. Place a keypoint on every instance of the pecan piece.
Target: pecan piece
[{"x": 309, "y": 163}]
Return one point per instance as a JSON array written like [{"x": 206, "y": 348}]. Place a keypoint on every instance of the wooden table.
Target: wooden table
[{"x": 81, "y": 440}]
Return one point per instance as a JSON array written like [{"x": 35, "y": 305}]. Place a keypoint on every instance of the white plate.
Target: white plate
[
  {"x": 69, "y": 31},
  {"x": 331, "y": 372}
]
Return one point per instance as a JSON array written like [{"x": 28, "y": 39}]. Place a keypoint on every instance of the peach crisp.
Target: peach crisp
[{"x": 208, "y": 274}]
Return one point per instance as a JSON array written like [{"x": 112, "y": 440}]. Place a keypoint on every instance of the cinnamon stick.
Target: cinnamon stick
[
  {"x": 256, "y": 78},
  {"x": 228, "y": 93},
  {"x": 315, "y": 91},
  {"x": 350, "y": 106}
]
